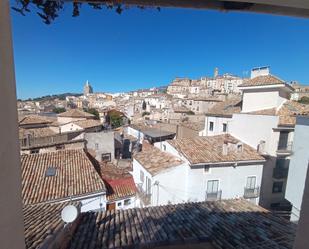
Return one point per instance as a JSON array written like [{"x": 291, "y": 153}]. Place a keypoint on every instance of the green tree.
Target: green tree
[
  {"x": 144, "y": 105},
  {"x": 93, "y": 111},
  {"x": 304, "y": 100},
  {"x": 115, "y": 120},
  {"x": 59, "y": 109}
]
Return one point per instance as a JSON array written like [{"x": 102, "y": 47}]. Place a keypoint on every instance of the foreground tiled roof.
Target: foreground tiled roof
[
  {"x": 262, "y": 81},
  {"x": 36, "y": 132},
  {"x": 75, "y": 176},
  {"x": 75, "y": 113},
  {"x": 226, "y": 108},
  {"x": 209, "y": 150},
  {"x": 89, "y": 123},
  {"x": 227, "y": 224},
  {"x": 41, "y": 222},
  {"x": 33, "y": 119},
  {"x": 155, "y": 160}
]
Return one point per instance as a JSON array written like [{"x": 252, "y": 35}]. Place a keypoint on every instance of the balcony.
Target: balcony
[
  {"x": 280, "y": 173},
  {"x": 143, "y": 195},
  {"x": 284, "y": 148},
  {"x": 213, "y": 196},
  {"x": 251, "y": 193}
]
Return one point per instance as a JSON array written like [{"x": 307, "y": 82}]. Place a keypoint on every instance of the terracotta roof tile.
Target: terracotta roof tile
[
  {"x": 89, "y": 123},
  {"x": 41, "y": 222},
  {"x": 226, "y": 108},
  {"x": 75, "y": 113},
  {"x": 262, "y": 81},
  {"x": 210, "y": 150},
  {"x": 33, "y": 119},
  {"x": 155, "y": 160},
  {"x": 288, "y": 111},
  {"x": 227, "y": 224},
  {"x": 75, "y": 175},
  {"x": 118, "y": 181}
]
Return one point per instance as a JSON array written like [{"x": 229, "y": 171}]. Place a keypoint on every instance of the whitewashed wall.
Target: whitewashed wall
[
  {"x": 263, "y": 98},
  {"x": 64, "y": 120},
  {"x": 218, "y": 126},
  {"x": 298, "y": 166},
  {"x": 93, "y": 203},
  {"x": 70, "y": 127}
]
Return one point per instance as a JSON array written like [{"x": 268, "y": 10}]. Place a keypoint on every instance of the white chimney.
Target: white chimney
[
  {"x": 260, "y": 71},
  {"x": 224, "y": 149}
]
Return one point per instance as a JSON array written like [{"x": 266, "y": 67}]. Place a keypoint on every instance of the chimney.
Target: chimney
[
  {"x": 260, "y": 71},
  {"x": 216, "y": 72}
]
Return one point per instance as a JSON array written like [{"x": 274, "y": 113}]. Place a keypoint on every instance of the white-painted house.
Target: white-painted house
[
  {"x": 265, "y": 121},
  {"x": 198, "y": 169}
]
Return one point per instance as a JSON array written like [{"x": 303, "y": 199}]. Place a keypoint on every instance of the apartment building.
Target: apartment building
[
  {"x": 265, "y": 120},
  {"x": 198, "y": 169}
]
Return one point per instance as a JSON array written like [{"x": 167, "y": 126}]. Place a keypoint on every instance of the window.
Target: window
[
  {"x": 211, "y": 126},
  {"x": 164, "y": 147},
  {"x": 119, "y": 204},
  {"x": 141, "y": 176},
  {"x": 35, "y": 151},
  {"x": 224, "y": 127},
  {"x": 60, "y": 147},
  {"x": 148, "y": 185},
  {"x": 96, "y": 146},
  {"x": 277, "y": 187},
  {"x": 127, "y": 202},
  {"x": 280, "y": 163},
  {"x": 251, "y": 180},
  {"x": 50, "y": 171},
  {"x": 106, "y": 157},
  {"x": 212, "y": 186}
]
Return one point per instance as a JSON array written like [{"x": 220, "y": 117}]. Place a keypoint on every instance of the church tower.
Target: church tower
[{"x": 87, "y": 88}]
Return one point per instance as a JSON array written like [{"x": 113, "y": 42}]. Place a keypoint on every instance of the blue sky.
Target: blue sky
[{"x": 145, "y": 48}]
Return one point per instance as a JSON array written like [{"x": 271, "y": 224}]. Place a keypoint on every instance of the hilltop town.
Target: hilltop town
[{"x": 223, "y": 139}]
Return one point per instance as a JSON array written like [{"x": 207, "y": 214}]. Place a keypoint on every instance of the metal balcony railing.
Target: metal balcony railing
[
  {"x": 143, "y": 195},
  {"x": 214, "y": 196},
  {"x": 251, "y": 192},
  {"x": 284, "y": 147},
  {"x": 280, "y": 173}
]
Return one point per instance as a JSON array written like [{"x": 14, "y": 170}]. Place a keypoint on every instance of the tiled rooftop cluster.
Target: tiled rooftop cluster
[
  {"x": 227, "y": 224},
  {"x": 33, "y": 119},
  {"x": 74, "y": 176},
  {"x": 155, "y": 160},
  {"x": 209, "y": 150}
]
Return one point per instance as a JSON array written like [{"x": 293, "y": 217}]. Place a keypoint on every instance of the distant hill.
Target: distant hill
[{"x": 60, "y": 96}]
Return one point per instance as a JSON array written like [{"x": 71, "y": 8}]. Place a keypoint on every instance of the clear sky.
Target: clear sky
[{"x": 145, "y": 48}]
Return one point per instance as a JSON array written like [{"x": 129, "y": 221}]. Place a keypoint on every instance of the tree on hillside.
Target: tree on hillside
[
  {"x": 114, "y": 119},
  {"x": 144, "y": 105},
  {"x": 304, "y": 100},
  {"x": 59, "y": 109},
  {"x": 93, "y": 111}
]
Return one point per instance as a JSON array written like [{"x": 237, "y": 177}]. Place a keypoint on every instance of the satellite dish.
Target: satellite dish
[{"x": 69, "y": 213}]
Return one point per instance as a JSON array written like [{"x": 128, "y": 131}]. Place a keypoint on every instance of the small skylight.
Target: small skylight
[{"x": 50, "y": 171}]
